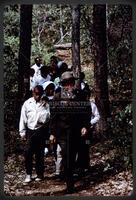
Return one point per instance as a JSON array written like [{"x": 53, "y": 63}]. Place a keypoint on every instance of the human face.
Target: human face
[
  {"x": 50, "y": 90},
  {"x": 68, "y": 84},
  {"x": 38, "y": 62},
  {"x": 37, "y": 95}
]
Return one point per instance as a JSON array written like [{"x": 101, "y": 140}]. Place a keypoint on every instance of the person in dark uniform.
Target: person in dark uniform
[{"x": 70, "y": 119}]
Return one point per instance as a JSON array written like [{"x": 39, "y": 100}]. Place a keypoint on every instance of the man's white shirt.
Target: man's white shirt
[{"x": 33, "y": 115}]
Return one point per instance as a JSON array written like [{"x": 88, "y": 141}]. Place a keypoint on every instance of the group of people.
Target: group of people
[
  {"x": 60, "y": 114},
  {"x": 39, "y": 73}
]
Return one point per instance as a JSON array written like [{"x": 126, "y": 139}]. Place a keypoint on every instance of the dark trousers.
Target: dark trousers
[
  {"x": 69, "y": 146},
  {"x": 35, "y": 146},
  {"x": 83, "y": 159}
]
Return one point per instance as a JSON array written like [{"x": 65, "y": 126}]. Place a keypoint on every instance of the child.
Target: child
[{"x": 33, "y": 127}]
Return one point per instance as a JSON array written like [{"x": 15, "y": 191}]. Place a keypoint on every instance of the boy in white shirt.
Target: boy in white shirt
[{"x": 33, "y": 127}]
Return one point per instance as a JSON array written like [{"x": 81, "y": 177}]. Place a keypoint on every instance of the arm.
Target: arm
[
  {"x": 23, "y": 121},
  {"x": 95, "y": 114},
  {"x": 86, "y": 119}
]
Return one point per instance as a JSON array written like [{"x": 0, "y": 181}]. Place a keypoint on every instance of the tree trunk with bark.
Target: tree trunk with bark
[
  {"x": 76, "y": 42},
  {"x": 100, "y": 64},
  {"x": 24, "y": 51}
]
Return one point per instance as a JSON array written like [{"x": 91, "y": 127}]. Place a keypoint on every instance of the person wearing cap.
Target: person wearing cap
[
  {"x": 69, "y": 121},
  {"x": 83, "y": 156}
]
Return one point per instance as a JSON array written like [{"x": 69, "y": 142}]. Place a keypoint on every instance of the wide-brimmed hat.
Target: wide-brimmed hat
[{"x": 67, "y": 76}]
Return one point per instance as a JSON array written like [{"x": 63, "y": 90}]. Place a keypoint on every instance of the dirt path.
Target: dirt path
[{"x": 106, "y": 177}]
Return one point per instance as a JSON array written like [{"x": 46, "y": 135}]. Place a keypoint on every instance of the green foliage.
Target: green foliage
[
  {"x": 51, "y": 24},
  {"x": 120, "y": 77},
  {"x": 121, "y": 127},
  {"x": 120, "y": 52},
  {"x": 86, "y": 34},
  {"x": 11, "y": 45}
]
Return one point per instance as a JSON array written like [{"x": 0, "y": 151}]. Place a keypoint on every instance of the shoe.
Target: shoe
[
  {"x": 34, "y": 176},
  {"x": 70, "y": 187},
  {"x": 39, "y": 178},
  {"x": 86, "y": 170},
  {"x": 57, "y": 173},
  {"x": 46, "y": 151},
  {"x": 75, "y": 175},
  {"x": 27, "y": 179},
  {"x": 70, "y": 190},
  {"x": 57, "y": 176}
]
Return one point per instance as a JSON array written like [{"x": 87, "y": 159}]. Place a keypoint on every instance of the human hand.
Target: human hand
[
  {"x": 91, "y": 126},
  {"x": 52, "y": 139},
  {"x": 22, "y": 134},
  {"x": 83, "y": 131}
]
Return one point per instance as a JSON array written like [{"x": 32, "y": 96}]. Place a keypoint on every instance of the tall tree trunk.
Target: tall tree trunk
[
  {"x": 76, "y": 41},
  {"x": 24, "y": 51},
  {"x": 100, "y": 64}
]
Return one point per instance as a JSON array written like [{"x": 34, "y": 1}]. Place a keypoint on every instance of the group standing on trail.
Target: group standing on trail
[{"x": 60, "y": 114}]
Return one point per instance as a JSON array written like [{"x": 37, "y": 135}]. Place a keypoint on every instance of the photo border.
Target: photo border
[{"x": 2, "y": 4}]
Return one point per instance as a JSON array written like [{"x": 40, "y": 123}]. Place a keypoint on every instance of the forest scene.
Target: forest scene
[{"x": 94, "y": 39}]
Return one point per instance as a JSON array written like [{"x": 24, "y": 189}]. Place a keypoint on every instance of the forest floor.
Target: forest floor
[{"x": 108, "y": 176}]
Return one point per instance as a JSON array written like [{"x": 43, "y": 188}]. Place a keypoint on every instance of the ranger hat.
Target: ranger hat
[{"x": 68, "y": 75}]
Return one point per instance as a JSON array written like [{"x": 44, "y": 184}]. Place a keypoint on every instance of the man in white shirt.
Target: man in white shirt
[
  {"x": 37, "y": 66},
  {"x": 33, "y": 127}
]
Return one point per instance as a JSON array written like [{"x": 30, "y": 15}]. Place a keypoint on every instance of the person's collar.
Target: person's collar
[
  {"x": 50, "y": 97},
  {"x": 33, "y": 100}
]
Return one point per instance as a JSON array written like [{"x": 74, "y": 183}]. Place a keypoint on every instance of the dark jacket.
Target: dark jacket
[{"x": 69, "y": 111}]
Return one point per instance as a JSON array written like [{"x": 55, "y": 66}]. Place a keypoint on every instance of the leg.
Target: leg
[
  {"x": 58, "y": 162},
  {"x": 39, "y": 159},
  {"x": 39, "y": 141},
  {"x": 68, "y": 159},
  {"x": 83, "y": 159},
  {"x": 29, "y": 154},
  {"x": 28, "y": 161}
]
